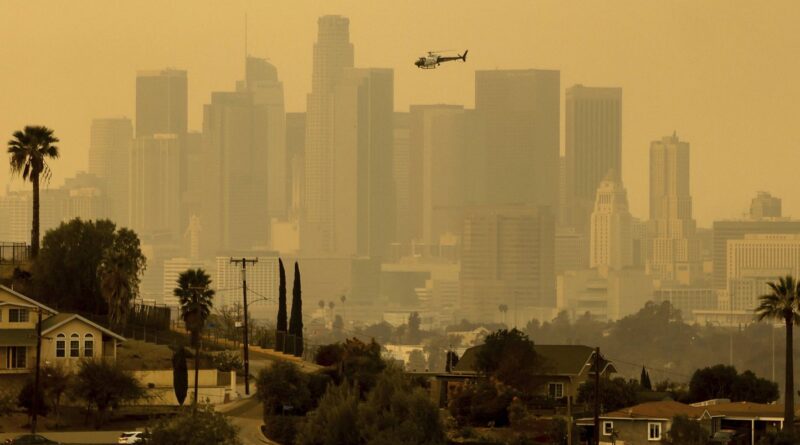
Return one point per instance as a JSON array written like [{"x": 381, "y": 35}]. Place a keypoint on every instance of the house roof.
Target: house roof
[
  {"x": 17, "y": 337},
  {"x": 28, "y": 299},
  {"x": 666, "y": 409},
  {"x": 57, "y": 320},
  {"x": 558, "y": 359},
  {"x": 746, "y": 409}
]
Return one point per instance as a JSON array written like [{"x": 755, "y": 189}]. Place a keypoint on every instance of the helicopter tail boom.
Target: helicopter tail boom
[{"x": 464, "y": 56}]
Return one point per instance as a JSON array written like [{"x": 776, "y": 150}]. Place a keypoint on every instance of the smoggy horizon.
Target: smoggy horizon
[{"x": 716, "y": 72}]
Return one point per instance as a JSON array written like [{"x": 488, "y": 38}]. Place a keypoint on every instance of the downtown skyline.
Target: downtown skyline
[{"x": 687, "y": 93}]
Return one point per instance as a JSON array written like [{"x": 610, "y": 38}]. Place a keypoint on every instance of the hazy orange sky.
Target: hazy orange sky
[{"x": 723, "y": 73}]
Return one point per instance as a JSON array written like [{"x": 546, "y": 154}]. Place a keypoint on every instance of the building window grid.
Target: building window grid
[{"x": 61, "y": 346}]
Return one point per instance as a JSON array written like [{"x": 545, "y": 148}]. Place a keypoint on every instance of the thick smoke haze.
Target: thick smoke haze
[{"x": 721, "y": 73}]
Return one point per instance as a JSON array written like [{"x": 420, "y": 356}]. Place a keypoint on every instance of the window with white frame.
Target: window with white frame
[
  {"x": 555, "y": 390},
  {"x": 74, "y": 345},
  {"x": 61, "y": 346},
  {"x": 653, "y": 431},
  {"x": 608, "y": 428},
  {"x": 17, "y": 315},
  {"x": 15, "y": 357},
  {"x": 88, "y": 345}
]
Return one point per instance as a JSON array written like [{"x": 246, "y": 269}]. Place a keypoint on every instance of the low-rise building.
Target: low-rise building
[{"x": 66, "y": 338}]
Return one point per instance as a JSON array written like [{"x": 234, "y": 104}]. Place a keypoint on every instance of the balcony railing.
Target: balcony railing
[{"x": 14, "y": 253}]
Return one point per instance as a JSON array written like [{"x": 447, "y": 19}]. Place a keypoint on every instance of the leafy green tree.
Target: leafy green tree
[
  {"x": 8, "y": 402},
  {"x": 205, "y": 426},
  {"x": 227, "y": 361},
  {"x": 724, "y": 382},
  {"x": 509, "y": 357},
  {"x": 180, "y": 375},
  {"x": 685, "y": 431},
  {"x": 296, "y": 319},
  {"x": 414, "y": 324},
  {"x": 282, "y": 385},
  {"x": 65, "y": 273},
  {"x": 57, "y": 380},
  {"x": 119, "y": 272},
  {"x": 783, "y": 304},
  {"x": 482, "y": 403},
  {"x": 104, "y": 385},
  {"x": 29, "y": 151},
  {"x": 335, "y": 421},
  {"x": 26, "y": 402},
  {"x": 328, "y": 355},
  {"x": 196, "y": 299},
  {"x": 395, "y": 412},
  {"x": 381, "y": 332},
  {"x": 615, "y": 393}
]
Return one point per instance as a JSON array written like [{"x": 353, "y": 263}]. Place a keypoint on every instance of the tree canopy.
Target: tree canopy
[
  {"x": 68, "y": 273},
  {"x": 509, "y": 356},
  {"x": 724, "y": 382}
]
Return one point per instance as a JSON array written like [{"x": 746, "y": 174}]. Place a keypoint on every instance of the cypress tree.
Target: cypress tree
[
  {"x": 281, "y": 325},
  {"x": 180, "y": 375},
  {"x": 644, "y": 380},
  {"x": 296, "y": 319}
]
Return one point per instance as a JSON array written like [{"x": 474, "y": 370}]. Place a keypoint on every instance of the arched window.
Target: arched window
[
  {"x": 74, "y": 345},
  {"x": 61, "y": 346},
  {"x": 88, "y": 345}
]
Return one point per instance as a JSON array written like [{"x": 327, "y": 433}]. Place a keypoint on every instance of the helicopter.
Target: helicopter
[{"x": 432, "y": 60}]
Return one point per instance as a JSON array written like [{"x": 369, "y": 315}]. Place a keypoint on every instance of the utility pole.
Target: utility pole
[
  {"x": 597, "y": 395},
  {"x": 244, "y": 262},
  {"x": 38, "y": 361}
]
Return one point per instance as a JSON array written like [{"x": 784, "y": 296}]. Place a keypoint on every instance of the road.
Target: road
[{"x": 247, "y": 414}]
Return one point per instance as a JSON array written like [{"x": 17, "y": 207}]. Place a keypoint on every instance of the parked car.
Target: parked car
[
  {"x": 31, "y": 439},
  {"x": 131, "y": 437},
  {"x": 729, "y": 437}
]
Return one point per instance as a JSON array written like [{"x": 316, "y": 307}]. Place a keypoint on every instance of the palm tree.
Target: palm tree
[
  {"x": 783, "y": 303},
  {"x": 116, "y": 287},
  {"x": 503, "y": 308},
  {"x": 196, "y": 300},
  {"x": 29, "y": 150}
]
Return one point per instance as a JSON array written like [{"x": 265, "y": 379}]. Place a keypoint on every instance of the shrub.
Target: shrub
[{"x": 281, "y": 429}]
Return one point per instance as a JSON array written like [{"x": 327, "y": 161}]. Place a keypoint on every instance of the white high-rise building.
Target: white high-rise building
[
  {"x": 611, "y": 236},
  {"x": 173, "y": 267},
  {"x": 262, "y": 285},
  {"x": 756, "y": 260}
]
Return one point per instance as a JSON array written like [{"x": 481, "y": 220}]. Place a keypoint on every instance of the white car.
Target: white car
[{"x": 131, "y": 437}]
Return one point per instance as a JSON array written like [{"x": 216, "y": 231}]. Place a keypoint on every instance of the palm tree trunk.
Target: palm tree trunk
[
  {"x": 35, "y": 222},
  {"x": 196, "y": 371},
  {"x": 788, "y": 416}
]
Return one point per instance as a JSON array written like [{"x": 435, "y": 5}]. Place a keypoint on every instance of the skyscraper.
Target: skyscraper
[
  {"x": 361, "y": 159},
  {"x": 437, "y": 181},
  {"x": 295, "y": 152},
  {"x": 519, "y": 111},
  {"x": 333, "y": 52},
  {"x": 244, "y": 145},
  {"x": 155, "y": 186},
  {"x": 161, "y": 102},
  {"x": 593, "y": 144},
  {"x": 611, "y": 235},
  {"x": 675, "y": 251},
  {"x": 109, "y": 160},
  {"x": 507, "y": 258}
]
